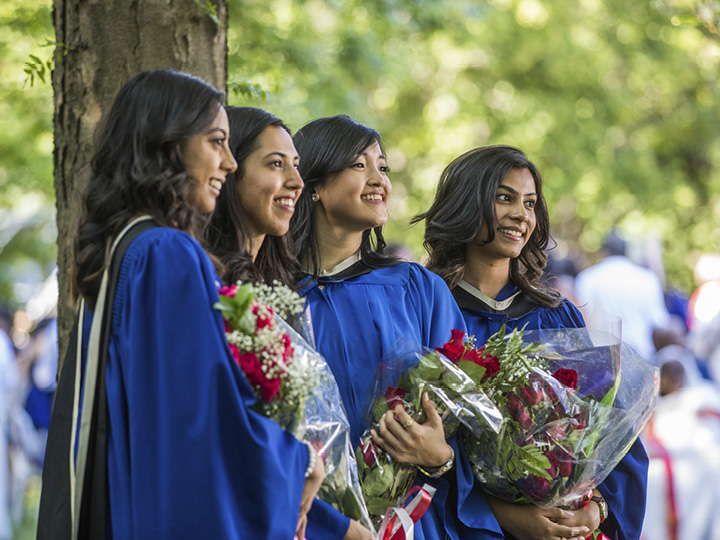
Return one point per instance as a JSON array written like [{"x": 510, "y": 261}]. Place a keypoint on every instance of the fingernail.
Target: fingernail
[{"x": 568, "y": 514}]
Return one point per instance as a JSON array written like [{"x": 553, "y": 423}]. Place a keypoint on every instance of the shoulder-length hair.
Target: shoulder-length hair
[
  {"x": 229, "y": 232},
  {"x": 465, "y": 199},
  {"x": 328, "y": 146},
  {"x": 136, "y": 167}
]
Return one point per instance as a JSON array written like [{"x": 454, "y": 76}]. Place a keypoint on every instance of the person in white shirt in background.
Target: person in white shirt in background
[{"x": 619, "y": 286}]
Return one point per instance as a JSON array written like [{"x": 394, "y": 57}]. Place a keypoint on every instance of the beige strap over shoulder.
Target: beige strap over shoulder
[{"x": 77, "y": 467}]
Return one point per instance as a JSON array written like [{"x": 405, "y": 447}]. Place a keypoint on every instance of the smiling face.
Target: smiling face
[
  {"x": 207, "y": 158},
  {"x": 355, "y": 199},
  {"x": 270, "y": 184},
  {"x": 515, "y": 218}
]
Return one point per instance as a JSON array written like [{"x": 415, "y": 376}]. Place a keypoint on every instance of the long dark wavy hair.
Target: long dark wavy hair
[
  {"x": 328, "y": 146},
  {"x": 228, "y": 232},
  {"x": 136, "y": 167},
  {"x": 465, "y": 199}
]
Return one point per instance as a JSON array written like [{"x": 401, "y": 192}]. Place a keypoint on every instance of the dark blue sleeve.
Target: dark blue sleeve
[
  {"x": 625, "y": 492},
  {"x": 187, "y": 457},
  {"x": 325, "y": 522}
]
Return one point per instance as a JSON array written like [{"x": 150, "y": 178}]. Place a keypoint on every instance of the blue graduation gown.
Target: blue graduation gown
[
  {"x": 358, "y": 315},
  {"x": 187, "y": 458},
  {"x": 625, "y": 488}
]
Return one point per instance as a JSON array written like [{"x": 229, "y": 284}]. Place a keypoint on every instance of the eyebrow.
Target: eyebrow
[
  {"x": 281, "y": 154},
  {"x": 511, "y": 190},
  {"x": 213, "y": 130},
  {"x": 381, "y": 156}
]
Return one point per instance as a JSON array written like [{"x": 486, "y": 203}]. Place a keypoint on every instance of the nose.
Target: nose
[
  {"x": 229, "y": 165},
  {"x": 375, "y": 177},
  {"x": 293, "y": 180},
  {"x": 520, "y": 212}
]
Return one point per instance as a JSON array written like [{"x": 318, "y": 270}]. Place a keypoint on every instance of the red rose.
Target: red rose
[
  {"x": 269, "y": 388},
  {"x": 369, "y": 452},
  {"x": 562, "y": 460},
  {"x": 262, "y": 322},
  {"x": 491, "y": 365},
  {"x": 455, "y": 348},
  {"x": 488, "y": 361},
  {"x": 318, "y": 446},
  {"x": 228, "y": 291},
  {"x": 518, "y": 412},
  {"x": 227, "y": 327},
  {"x": 394, "y": 397},
  {"x": 530, "y": 395},
  {"x": 568, "y": 377},
  {"x": 235, "y": 352},
  {"x": 288, "y": 350},
  {"x": 537, "y": 488},
  {"x": 250, "y": 365}
]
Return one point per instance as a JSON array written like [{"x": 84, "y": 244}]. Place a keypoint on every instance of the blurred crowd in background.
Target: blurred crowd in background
[{"x": 678, "y": 333}]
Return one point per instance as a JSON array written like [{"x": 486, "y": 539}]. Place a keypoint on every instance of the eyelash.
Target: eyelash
[
  {"x": 219, "y": 142},
  {"x": 383, "y": 168},
  {"x": 506, "y": 198}
]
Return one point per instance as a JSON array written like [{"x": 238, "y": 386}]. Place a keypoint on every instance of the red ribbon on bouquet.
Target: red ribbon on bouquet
[{"x": 399, "y": 521}]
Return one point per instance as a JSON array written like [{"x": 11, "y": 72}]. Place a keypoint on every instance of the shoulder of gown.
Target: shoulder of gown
[{"x": 186, "y": 455}]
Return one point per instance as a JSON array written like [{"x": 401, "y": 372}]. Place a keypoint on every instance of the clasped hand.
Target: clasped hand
[{"x": 408, "y": 441}]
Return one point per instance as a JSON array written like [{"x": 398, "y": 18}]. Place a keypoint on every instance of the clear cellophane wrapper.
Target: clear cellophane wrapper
[
  {"x": 322, "y": 421},
  {"x": 402, "y": 377},
  {"x": 555, "y": 443}
]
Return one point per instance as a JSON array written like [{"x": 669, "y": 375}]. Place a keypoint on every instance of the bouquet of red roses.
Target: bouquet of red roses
[
  {"x": 571, "y": 410},
  {"x": 293, "y": 383},
  {"x": 450, "y": 376}
]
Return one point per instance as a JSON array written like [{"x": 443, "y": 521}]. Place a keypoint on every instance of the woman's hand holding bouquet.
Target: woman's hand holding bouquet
[
  {"x": 421, "y": 399},
  {"x": 562, "y": 433}
]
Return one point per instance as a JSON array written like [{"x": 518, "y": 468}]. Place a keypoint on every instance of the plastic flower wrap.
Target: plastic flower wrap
[
  {"x": 293, "y": 383},
  {"x": 401, "y": 380},
  {"x": 570, "y": 413}
]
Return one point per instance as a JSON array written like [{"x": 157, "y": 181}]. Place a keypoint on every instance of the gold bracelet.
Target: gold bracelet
[{"x": 442, "y": 469}]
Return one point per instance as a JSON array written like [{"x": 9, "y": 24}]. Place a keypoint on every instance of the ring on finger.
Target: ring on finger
[{"x": 409, "y": 423}]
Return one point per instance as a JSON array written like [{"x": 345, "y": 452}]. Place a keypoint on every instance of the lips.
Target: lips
[
  {"x": 515, "y": 233},
  {"x": 373, "y": 197},
  {"x": 287, "y": 203}
]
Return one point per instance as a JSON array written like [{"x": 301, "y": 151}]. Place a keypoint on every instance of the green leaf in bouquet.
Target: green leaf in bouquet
[
  {"x": 377, "y": 481},
  {"x": 380, "y": 407},
  {"x": 430, "y": 368},
  {"x": 361, "y": 465},
  {"x": 609, "y": 398},
  {"x": 535, "y": 461},
  {"x": 377, "y": 506},
  {"x": 351, "y": 507},
  {"x": 474, "y": 371},
  {"x": 453, "y": 380}
]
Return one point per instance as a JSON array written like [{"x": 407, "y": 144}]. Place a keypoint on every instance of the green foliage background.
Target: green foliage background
[{"x": 616, "y": 101}]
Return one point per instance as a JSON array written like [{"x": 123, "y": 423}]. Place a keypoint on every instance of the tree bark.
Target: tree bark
[{"x": 100, "y": 45}]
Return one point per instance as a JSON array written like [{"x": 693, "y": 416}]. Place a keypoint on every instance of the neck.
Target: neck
[
  {"x": 490, "y": 276},
  {"x": 335, "y": 244},
  {"x": 254, "y": 244}
]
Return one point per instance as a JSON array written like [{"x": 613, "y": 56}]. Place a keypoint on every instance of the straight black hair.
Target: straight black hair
[
  {"x": 465, "y": 199},
  {"x": 328, "y": 146}
]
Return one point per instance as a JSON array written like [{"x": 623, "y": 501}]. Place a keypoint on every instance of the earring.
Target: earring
[{"x": 315, "y": 197}]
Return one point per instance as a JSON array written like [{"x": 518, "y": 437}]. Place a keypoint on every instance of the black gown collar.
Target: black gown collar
[{"x": 518, "y": 305}]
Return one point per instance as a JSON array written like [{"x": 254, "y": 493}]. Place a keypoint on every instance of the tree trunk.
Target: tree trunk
[{"x": 101, "y": 44}]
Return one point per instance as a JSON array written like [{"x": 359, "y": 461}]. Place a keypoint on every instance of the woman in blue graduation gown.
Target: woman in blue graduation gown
[
  {"x": 486, "y": 233},
  {"x": 362, "y": 302},
  {"x": 186, "y": 456},
  {"x": 247, "y": 233}
]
